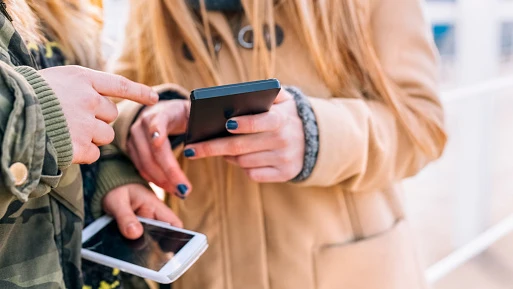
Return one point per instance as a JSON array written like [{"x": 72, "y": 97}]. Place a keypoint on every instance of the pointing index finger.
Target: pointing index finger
[{"x": 118, "y": 86}]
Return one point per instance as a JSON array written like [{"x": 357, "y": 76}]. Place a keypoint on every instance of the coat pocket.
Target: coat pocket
[{"x": 384, "y": 261}]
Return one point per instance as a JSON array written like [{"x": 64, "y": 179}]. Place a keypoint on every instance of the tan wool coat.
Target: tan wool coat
[{"x": 344, "y": 226}]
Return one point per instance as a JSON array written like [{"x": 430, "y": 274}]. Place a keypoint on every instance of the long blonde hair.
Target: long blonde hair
[
  {"x": 74, "y": 24},
  {"x": 24, "y": 20},
  {"x": 336, "y": 34}
]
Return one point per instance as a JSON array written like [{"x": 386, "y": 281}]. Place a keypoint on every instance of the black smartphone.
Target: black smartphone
[{"x": 211, "y": 107}]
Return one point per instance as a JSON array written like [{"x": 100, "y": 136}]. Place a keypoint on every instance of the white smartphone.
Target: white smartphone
[{"x": 163, "y": 253}]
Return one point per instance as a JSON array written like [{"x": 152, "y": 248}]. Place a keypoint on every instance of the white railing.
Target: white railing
[
  {"x": 473, "y": 194},
  {"x": 481, "y": 89},
  {"x": 470, "y": 250}
]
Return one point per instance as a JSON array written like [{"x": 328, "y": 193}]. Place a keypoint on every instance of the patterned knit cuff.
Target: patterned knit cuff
[
  {"x": 311, "y": 131},
  {"x": 55, "y": 122}
]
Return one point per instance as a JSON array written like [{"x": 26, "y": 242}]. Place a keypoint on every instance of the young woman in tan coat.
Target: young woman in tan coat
[{"x": 304, "y": 196}]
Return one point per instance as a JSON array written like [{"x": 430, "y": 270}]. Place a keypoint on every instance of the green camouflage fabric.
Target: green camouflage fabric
[
  {"x": 49, "y": 54},
  {"x": 41, "y": 220}
]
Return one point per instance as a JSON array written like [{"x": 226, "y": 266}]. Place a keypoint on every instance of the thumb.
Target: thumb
[{"x": 118, "y": 205}]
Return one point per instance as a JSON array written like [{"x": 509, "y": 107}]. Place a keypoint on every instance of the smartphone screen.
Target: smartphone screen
[{"x": 152, "y": 250}]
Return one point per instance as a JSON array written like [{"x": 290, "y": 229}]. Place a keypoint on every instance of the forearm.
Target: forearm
[{"x": 363, "y": 147}]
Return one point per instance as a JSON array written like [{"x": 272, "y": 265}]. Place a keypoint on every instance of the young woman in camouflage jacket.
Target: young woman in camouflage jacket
[{"x": 51, "y": 120}]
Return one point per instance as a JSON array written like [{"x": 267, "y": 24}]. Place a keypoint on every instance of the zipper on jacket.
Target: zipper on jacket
[{"x": 3, "y": 8}]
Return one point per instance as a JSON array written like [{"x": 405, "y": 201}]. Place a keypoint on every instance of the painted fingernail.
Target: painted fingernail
[
  {"x": 189, "y": 153},
  {"x": 232, "y": 125},
  {"x": 154, "y": 96},
  {"x": 182, "y": 189}
]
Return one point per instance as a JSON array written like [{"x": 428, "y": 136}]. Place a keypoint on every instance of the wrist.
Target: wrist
[{"x": 311, "y": 133}]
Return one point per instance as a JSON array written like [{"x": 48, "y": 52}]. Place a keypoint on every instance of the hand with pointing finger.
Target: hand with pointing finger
[{"x": 83, "y": 94}]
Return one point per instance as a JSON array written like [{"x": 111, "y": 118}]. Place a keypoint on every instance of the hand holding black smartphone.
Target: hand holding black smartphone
[{"x": 211, "y": 107}]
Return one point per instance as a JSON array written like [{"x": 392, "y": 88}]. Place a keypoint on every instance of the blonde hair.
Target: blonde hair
[
  {"x": 75, "y": 25},
  {"x": 336, "y": 34},
  {"x": 24, "y": 20}
]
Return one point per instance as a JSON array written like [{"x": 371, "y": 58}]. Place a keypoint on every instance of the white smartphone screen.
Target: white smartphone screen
[{"x": 152, "y": 250}]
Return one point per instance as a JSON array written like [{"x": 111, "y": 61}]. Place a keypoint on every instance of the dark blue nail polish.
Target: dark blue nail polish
[
  {"x": 182, "y": 189},
  {"x": 189, "y": 153},
  {"x": 232, "y": 125}
]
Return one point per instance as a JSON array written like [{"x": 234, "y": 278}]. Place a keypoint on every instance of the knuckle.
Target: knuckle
[
  {"x": 146, "y": 120},
  {"x": 146, "y": 113},
  {"x": 253, "y": 175},
  {"x": 115, "y": 112},
  {"x": 281, "y": 139},
  {"x": 110, "y": 135},
  {"x": 242, "y": 161},
  {"x": 205, "y": 149},
  {"x": 146, "y": 211},
  {"x": 251, "y": 124},
  {"x": 122, "y": 85},
  {"x": 135, "y": 128},
  {"x": 147, "y": 123},
  {"x": 88, "y": 154},
  {"x": 279, "y": 119},
  {"x": 79, "y": 71},
  {"x": 288, "y": 156},
  {"x": 95, "y": 153},
  {"x": 94, "y": 100},
  {"x": 157, "y": 120},
  {"x": 282, "y": 158},
  {"x": 236, "y": 147}
]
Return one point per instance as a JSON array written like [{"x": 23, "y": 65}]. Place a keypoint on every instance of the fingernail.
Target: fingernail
[
  {"x": 189, "y": 153},
  {"x": 131, "y": 229},
  {"x": 232, "y": 125},
  {"x": 154, "y": 96},
  {"x": 182, "y": 189}
]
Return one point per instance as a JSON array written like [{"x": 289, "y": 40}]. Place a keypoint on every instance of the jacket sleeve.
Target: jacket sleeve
[
  {"x": 362, "y": 145},
  {"x": 33, "y": 132}
]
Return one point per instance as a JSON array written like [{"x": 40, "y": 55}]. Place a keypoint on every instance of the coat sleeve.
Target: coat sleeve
[
  {"x": 33, "y": 133},
  {"x": 362, "y": 145}
]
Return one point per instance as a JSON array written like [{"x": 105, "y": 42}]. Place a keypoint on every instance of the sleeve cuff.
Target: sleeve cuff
[
  {"x": 55, "y": 122},
  {"x": 311, "y": 132}
]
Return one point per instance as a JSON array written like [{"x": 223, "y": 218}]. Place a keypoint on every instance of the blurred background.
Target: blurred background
[{"x": 461, "y": 207}]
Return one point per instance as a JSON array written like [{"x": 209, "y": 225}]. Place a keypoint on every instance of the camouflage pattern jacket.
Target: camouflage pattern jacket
[{"x": 41, "y": 194}]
